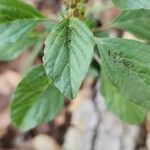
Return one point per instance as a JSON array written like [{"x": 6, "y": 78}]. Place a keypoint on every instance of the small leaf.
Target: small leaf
[
  {"x": 126, "y": 64},
  {"x": 16, "y": 20},
  {"x": 11, "y": 51},
  {"x": 132, "y": 4},
  {"x": 35, "y": 100},
  {"x": 123, "y": 108},
  {"x": 134, "y": 21},
  {"x": 68, "y": 54}
]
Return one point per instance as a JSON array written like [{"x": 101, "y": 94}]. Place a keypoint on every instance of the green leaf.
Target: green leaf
[
  {"x": 68, "y": 54},
  {"x": 16, "y": 20},
  {"x": 132, "y": 4},
  {"x": 11, "y": 51},
  {"x": 35, "y": 100},
  {"x": 120, "y": 106},
  {"x": 134, "y": 21},
  {"x": 48, "y": 25},
  {"x": 99, "y": 34},
  {"x": 126, "y": 64}
]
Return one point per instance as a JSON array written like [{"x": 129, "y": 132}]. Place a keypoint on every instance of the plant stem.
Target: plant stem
[{"x": 97, "y": 58}]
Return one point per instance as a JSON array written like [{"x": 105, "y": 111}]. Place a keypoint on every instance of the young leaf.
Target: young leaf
[
  {"x": 16, "y": 20},
  {"x": 132, "y": 4},
  {"x": 126, "y": 64},
  {"x": 11, "y": 51},
  {"x": 134, "y": 21},
  {"x": 35, "y": 100},
  {"x": 120, "y": 106},
  {"x": 68, "y": 54}
]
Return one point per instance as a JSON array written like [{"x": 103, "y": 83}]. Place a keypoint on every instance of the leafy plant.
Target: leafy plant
[{"x": 69, "y": 50}]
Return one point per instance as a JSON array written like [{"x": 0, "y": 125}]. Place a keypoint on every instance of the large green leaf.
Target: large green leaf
[
  {"x": 16, "y": 20},
  {"x": 11, "y": 51},
  {"x": 134, "y": 21},
  {"x": 126, "y": 64},
  {"x": 120, "y": 106},
  {"x": 132, "y": 4},
  {"x": 35, "y": 100},
  {"x": 68, "y": 54}
]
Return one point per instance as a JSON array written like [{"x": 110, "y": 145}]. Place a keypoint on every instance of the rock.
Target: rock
[
  {"x": 95, "y": 128},
  {"x": 8, "y": 80},
  {"x": 44, "y": 142}
]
